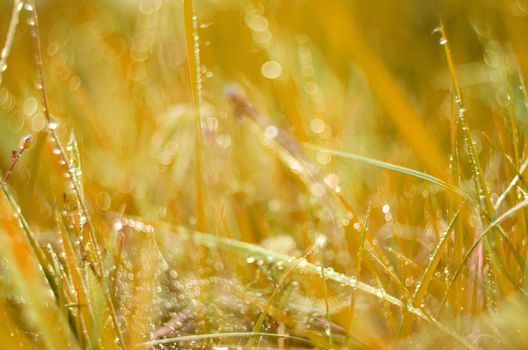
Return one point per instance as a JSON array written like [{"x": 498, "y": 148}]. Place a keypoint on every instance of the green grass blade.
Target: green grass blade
[
  {"x": 397, "y": 168},
  {"x": 421, "y": 287}
]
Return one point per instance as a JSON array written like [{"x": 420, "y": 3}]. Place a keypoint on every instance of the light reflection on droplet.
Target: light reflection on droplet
[
  {"x": 30, "y": 106},
  {"x": 271, "y": 132},
  {"x": 271, "y": 69},
  {"x": 103, "y": 201},
  {"x": 263, "y": 37},
  {"x": 332, "y": 180},
  {"x": 257, "y": 23},
  {"x": 38, "y": 122},
  {"x": 317, "y": 125},
  {"x": 52, "y": 125}
]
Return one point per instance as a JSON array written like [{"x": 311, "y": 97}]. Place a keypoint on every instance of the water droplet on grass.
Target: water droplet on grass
[
  {"x": 317, "y": 125},
  {"x": 118, "y": 225},
  {"x": 52, "y": 125},
  {"x": 271, "y": 132},
  {"x": 271, "y": 69},
  {"x": 409, "y": 281}
]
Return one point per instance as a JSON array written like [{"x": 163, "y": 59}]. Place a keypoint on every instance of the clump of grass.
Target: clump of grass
[{"x": 262, "y": 175}]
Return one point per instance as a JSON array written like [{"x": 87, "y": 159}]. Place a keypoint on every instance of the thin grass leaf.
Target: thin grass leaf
[
  {"x": 13, "y": 22},
  {"x": 397, "y": 168},
  {"x": 29, "y": 281},
  {"x": 328, "y": 330},
  {"x": 193, "y": 338},
  {"x": 421, "y": 287},
  {"x": 64, "y": 298},
  {"x": 31, "y": 239},
  {"x": 74, "y": 165},
  {"x": 359, "y": 261},
  {"x": 192, "y": 47},
  {"x": 85, "y": 317},
  {"x": 510, "y": 186}
]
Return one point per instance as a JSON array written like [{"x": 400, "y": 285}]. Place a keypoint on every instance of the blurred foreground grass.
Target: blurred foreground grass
[{"x": 273, "y": 174}]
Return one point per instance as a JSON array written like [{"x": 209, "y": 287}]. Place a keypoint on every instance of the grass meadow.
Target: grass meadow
[{"x": 243, "y": 174}]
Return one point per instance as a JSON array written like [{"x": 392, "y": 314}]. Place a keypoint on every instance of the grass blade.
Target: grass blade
[
  {"x": 397, "y": 168},
  {"x": 13, "y": 22},
  {"x": 193, "y": 338},
  {"x": 421, "y": 287}
]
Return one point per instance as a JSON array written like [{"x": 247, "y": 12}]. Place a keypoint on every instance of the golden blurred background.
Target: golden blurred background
[{"x": 366, "y": 77}]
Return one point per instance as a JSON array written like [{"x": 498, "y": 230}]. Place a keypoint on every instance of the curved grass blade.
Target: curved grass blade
[
  {"x": 396, "y": 168},
  {"x": 190, "y": 338},
  {"x": 421, "y": 287}
]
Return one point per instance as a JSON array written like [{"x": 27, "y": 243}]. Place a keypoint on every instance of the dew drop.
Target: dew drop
[
  {"x": 52, "y": 125},
  {"x": 409, "y": 281},
  {"x": 271, "y": 69},
  {"x": 271, "y": 132},
  {"x": 317, "y": 125},
  {"x": 118, "y": 225},
  {"x": 320, "y": 241}
]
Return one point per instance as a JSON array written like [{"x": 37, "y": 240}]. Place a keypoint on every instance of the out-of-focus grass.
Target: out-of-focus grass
[{"x": 281, "y": 174}]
